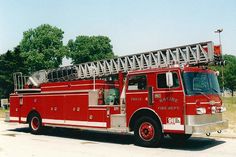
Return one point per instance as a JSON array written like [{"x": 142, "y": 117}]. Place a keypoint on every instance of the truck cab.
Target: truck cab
[{"x": 175, "y": 101}]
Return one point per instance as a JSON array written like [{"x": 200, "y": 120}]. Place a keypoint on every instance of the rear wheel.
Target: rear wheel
[
  {"x": 147, "y": 132},
  {"x": 180, "y": 137},
  {"x": 35, "y": 124}
]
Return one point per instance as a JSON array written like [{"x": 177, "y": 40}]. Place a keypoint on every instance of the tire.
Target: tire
[
  {"x": 35, "y": 124},
  {"x": 148, "y": 132},
  {"x": 180, "y": 137}
]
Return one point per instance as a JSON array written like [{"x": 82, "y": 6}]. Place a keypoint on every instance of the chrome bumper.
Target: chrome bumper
[
  {"x": 206, "y": 128},
  {"x": 202, "y": 124}
]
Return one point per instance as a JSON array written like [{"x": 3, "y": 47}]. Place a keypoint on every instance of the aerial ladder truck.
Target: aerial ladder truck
[{"x": 169, "y": 91}]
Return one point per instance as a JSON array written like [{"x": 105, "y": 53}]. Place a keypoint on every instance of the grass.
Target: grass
[
  {"x": 230, "y": 114},
  {"x": 2, "y": 112}
]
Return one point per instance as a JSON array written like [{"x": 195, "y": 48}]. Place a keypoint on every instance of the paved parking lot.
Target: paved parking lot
[{"x": 16, "y": 141}]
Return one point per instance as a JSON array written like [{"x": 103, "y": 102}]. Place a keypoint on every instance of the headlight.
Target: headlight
[
  {"x": 213, "y": 109},
  {"x": 201, "y": 110}
]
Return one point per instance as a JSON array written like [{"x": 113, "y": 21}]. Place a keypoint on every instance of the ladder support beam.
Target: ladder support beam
[{"x": 200, "y": 53}]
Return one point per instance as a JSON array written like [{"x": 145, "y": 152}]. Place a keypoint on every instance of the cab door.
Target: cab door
[
  {"x": 169, "y": 101},
  {"x": 136, "y": 93}
]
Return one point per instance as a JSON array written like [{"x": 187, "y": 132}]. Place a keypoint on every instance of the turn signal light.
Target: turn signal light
[
  {"x": 221, "y": 109},
  {"x": 201, "y": 110}
]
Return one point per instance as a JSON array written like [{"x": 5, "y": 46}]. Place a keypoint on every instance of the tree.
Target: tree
[
  {"x": 89, "y": 48},
  {"x": 229, "y": 73},
  {"x": 10, "y": 62},
  {"x": 42, "y": 47}
]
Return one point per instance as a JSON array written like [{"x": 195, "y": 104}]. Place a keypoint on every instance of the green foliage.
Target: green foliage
[
  {"x": 89, "y": 48},
  {"x": 229, "y": 72},
  {"x": 42, "y": 47},
  {"x": 10, "y": 62}
]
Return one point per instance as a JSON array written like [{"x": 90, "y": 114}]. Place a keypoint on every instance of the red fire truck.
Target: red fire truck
[{"x": 164, "y": 92}]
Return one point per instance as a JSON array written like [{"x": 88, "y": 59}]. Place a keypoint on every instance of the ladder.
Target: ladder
[{"x": 194, "y": 54}]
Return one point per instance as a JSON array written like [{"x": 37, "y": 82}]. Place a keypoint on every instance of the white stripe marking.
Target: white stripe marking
[
  {"x": 209, "y": 102},
  {"x": 77, "y": 85},
  {"x": 86, "y": 123},
  {"x": 14, "y": 118},
  {"x": 136, "y": 92},
  {"x": 23, "y": 119},
  {"x": 191, "y": 103},
  {"x": 170, "y": 91},
  {"x": 173, "y": 127},
  {"x": 70, "y": 122},
  {"x": 53, "y": 121}
]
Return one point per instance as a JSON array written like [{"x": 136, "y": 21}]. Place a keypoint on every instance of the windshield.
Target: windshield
[{"x": 201, "y": 83}]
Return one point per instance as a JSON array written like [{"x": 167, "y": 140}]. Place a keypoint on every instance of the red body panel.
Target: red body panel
[{"x": 194, "y": 102}]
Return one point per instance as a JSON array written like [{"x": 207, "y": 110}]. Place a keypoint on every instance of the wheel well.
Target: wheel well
[
  {"x": 141, "y": 113},
  {"x": 31, "y": 113}
]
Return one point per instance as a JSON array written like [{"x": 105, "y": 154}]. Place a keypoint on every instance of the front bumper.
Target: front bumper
[
  {"x": 206, "y": 128},
  {"x": 202, "y": 124}
]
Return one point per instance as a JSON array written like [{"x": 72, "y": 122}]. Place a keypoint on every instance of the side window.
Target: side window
[
  {"x": 161, "y": 80},
  {"x": 137, "y": 83}
]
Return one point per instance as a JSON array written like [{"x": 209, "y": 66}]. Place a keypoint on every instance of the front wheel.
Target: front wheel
[
  {"x": 35, "y": 124},
  {"x": 147, "y": 132}
]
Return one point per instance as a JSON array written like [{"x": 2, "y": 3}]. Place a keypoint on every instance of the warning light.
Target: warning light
[{"x": 217, "y": 50}]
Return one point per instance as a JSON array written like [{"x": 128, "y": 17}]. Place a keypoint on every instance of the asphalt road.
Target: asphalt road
[{"x": 16, "y": 141}]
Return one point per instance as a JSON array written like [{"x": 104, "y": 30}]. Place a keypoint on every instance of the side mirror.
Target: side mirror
[
  {"x": 217, "y": 73},
  {"x": 169, "y": 79},
  {"x": 150, "y": 96}
]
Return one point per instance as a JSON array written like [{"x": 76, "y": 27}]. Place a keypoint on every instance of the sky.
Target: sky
[{"x": 132, "y": 25}]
